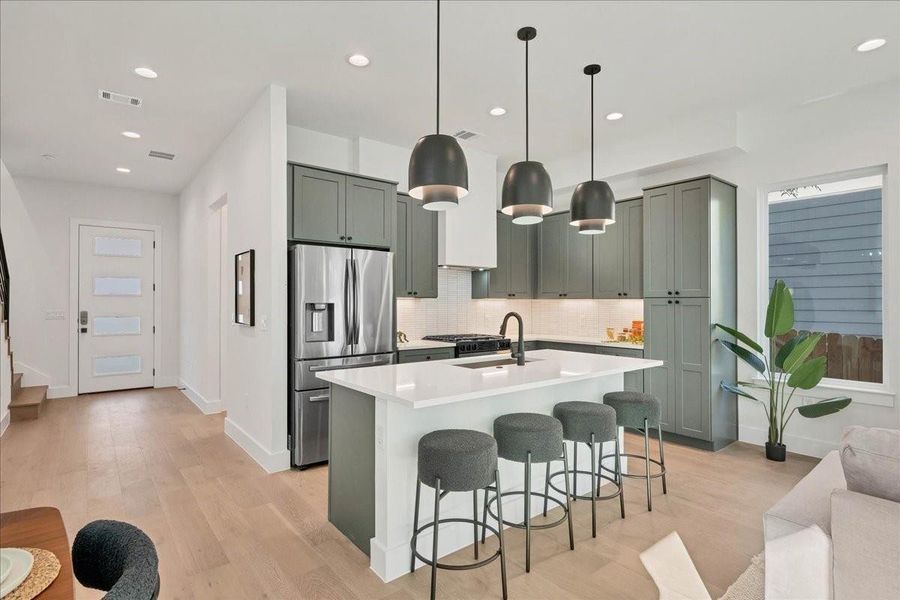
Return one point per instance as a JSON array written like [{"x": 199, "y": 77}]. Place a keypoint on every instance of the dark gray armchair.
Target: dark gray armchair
[{"x": 117, "y": 558}]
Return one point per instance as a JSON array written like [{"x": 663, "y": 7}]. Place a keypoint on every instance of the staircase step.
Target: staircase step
[{"x": 27, "y": 403}]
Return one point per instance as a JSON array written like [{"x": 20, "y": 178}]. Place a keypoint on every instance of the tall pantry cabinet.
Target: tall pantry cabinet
[{"x": 690, "y": 257}]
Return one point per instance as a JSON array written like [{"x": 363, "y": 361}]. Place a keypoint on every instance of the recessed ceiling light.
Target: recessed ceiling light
[
  {"x": 869, "y": 45},
  {"x": 146, "y": 72},
  {"x": 497, "y": 111},
  {"x": 358, "y": 60},
  {"x": 614, "y": 116},
  {"x": 123, "y": 169},
  {"x": 131, "y": 134}
]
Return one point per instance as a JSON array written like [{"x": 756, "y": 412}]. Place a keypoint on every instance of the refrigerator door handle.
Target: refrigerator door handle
[
  {"x": 348, "y": 316},
  {"x": 355, "y": 301}
]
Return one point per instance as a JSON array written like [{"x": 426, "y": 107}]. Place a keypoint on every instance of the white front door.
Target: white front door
[{"x": 115, "y": 302}]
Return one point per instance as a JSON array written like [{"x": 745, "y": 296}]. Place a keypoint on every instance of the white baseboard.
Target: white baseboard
[
  {"x": 4, "y": 422},
  {"x": 61, "y": 391},
  {"x": 163, "y": 381},
  {"x": 794, "y": 443},
  {"x": 272, "y": 462},
  {"x": 207, "y": 407}
]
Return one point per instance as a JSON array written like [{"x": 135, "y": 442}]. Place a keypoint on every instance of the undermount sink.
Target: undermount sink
[{"x": 487, "y": 364}]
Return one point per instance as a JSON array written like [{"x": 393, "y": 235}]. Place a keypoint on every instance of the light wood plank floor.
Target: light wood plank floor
[{"x": 226, "y": 529}]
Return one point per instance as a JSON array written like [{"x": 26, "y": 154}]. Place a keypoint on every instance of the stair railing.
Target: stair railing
[{"x": 4, "y": 280}]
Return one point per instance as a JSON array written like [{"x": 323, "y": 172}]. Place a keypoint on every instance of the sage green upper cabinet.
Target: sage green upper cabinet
[
  {"x": 415, "y": 257},
  {"x": 336, "y": 208},
  {"x": 512, "y": 278},
  {"x": 691, "y": 250},
  {"x": 552, "y": 256},
  {"x": 401, "y": 250},
  {"x": 618, "y": 254},
  {"x": 565, "y": 260},
  {"x": 659, "y": 242},
  {"x": 319, "y": 205},
  {"x": 370, "y": 212},
  {"x": 632, "y": 214},
  {"x": 579, "y": 262}
]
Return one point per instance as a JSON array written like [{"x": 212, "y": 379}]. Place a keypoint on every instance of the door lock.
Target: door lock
[{"x": 83, "y": 320}]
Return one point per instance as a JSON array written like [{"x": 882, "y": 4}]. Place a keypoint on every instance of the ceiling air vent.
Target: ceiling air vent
[
  {"x": 158, "y": 154},
  {"x": 119, "y": 98},
  {"x": 464, "y": 134}
]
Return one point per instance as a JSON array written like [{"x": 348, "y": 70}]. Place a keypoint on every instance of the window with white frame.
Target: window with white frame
[{"x": 825, "y": 242}]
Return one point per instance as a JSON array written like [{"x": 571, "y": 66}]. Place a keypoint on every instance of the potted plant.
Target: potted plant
[{"x": 782, "y": 372}]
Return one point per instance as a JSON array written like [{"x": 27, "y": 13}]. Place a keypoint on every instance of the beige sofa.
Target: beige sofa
[{"x": 825, "y": 541}]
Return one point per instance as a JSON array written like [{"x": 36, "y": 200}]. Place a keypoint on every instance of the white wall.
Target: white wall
[
  {"x": 851, "y": 131},
  {"x": 248, "y": 170},
  {"x": 36, "y": 222}
]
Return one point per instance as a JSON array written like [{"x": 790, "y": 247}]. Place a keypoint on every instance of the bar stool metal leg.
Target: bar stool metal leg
[
  {"x": 575, "y": 466},
  {"x": 434, "y": 544},
  {"x": 527, "y": 512},
  {"x": 647, "y": 462},
  {"x": 546, "y": 486},
  {"x": 484, "y": 515},
  {"x": 662, "y": 459},
  {"x": 475, "y": 520},
  {"x": 499, "y": 532},
  {"x": 594, "y": 486},
  {"x": 619, "y": 479},
  {"x": 568, "y": 496},
  {"x": 412, "y": 561}
]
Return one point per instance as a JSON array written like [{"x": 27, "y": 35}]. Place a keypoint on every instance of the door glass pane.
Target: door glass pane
[
  {"x": 108, "y": 246},
  {"x": 117, "y": 286},
  {"x": 116, "y": 365},
  {"x": 117, "y": 325}
]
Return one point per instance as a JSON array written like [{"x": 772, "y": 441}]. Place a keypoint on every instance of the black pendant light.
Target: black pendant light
[
  {"x": 438, "y": 173},
  {"x": 527, "y": 193},
  {"x": 593, "y": 204}
]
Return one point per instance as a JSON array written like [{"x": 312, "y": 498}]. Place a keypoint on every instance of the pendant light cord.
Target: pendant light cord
[
  {"x": 437, "y": 125},
  {"x": 526, "y": 100},
  {"x": 592, "y": 127}
]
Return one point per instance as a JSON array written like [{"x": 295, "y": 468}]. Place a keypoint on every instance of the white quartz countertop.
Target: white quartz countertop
[
  {"x": 570, "y": 339},
  {"x": 423, "y": 345},
  {"x": 434, "y": 383}
]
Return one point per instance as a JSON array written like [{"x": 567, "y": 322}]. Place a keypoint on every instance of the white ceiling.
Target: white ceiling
[{"x": 661, "y": 62}]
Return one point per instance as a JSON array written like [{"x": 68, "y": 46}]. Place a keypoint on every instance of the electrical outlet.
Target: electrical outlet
[{"x": 55, "y": 315}]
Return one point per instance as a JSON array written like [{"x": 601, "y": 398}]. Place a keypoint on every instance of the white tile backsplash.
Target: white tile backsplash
[{"x": 454, "y": 311}]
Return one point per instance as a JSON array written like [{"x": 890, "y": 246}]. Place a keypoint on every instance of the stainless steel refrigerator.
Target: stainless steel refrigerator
[{"x": 341, "y": 303}]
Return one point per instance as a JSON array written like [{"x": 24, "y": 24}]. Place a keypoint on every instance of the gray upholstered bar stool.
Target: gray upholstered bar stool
[
  {"x": 457, "y": 460},
  {"x": 589, "y": 423},
  {"x": 528, "y": 438},
  {"x": 639, "y": 411}
]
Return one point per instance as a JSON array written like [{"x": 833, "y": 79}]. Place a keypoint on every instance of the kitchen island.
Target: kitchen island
[{"x": 378, "y": 414}]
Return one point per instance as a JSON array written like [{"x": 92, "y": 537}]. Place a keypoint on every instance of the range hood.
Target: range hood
[{"x": 467, "y": 234}]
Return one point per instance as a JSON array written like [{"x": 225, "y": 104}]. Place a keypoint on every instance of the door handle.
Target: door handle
[
  {"x": 321, "y": 398},
  {"x": 349, "y": 366},
  {"x": 355, "y": 274},
  {"x": 348, "y": 317}
]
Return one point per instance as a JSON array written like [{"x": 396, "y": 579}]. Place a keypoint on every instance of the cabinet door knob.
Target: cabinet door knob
[
  {"x": 415, "y": 293},
  {"x": 668, "y": 302},
  {"x": 676, "y": 302},
  {"x": 349, "y": 237},
  {"x": 624, "y": 293},
  {"x": 618, "y": 293},
  {"x": 343, "y": 237},
  {"x": 677, "y": 292},
  {"x": 409, "y": 293},
  {"x": 669, "y": 292}
]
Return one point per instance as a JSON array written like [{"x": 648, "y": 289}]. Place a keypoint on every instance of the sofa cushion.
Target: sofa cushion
[
  {"x": 798, "y": 566},
  {"x": 808, "y": 503},
  {"x": 866, "y": 545},
  {"x": 871, "y": 460}
]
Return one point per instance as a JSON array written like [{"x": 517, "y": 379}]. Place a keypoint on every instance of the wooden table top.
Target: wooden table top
[{"x": 41, "y": 528}]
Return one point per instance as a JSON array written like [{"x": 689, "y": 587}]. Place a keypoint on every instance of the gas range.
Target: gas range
[{"x": 468, "y": 344}]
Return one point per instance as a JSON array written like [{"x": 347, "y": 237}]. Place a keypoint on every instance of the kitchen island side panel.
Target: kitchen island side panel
[{"x": 351, "y": 465}]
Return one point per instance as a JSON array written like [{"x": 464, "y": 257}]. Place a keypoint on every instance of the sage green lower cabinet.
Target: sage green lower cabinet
[
  {"x": 565, "y": 259},
  {"x": 512, "y": 278},
  {"x": 415, "y": 258},
  {"x": 693, "y": 337},
  {"x": 659, "y": 344},
  {"x": 411, "y": 356}
]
